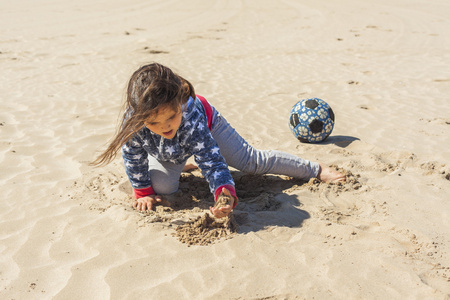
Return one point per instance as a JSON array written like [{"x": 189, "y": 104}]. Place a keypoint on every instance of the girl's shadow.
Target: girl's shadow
[{"x": 263, "y": 201}]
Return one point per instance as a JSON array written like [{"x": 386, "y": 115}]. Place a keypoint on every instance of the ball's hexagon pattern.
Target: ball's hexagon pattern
[{"x": 311, "y": 120}]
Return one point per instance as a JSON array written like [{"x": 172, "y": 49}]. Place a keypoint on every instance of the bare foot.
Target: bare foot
[
  {"x": 330, "y": 175},
  {"x": 189, "y": 167}
]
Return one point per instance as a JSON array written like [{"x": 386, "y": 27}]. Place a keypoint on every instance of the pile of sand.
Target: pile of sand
[{"x": 206, "y": 230}]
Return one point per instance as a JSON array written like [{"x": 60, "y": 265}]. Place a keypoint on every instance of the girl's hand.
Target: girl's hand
[
  {"x": 146, "y": 203},
  {"x": 221, "y": 211}
]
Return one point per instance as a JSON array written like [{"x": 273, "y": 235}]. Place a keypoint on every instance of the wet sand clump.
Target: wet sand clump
[{"x": 206, "y": 230}]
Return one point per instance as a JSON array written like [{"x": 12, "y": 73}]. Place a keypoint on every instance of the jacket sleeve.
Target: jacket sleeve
[
  {"x": 136, "y": 166},
  {"x": 210, "y": 161}
]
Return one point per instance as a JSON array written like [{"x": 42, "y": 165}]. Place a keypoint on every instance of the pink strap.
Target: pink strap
[{"x": 208, "y": 110}]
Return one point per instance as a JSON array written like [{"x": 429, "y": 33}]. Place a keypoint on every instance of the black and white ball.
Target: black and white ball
[{"x": 311, "y": 120}]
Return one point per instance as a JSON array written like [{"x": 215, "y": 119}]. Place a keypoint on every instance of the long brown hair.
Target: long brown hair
[{"x": 150, "y": 88}]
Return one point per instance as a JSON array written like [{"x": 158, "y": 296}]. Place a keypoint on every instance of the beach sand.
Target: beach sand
[{"x": 68, "y": 230}]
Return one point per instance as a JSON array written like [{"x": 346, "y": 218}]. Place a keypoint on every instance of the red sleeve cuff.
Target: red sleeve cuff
[
  {"x": 232, "y": 192},
  {"x": 139, "y": 193}
]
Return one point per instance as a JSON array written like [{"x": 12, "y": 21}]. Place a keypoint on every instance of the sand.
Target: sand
[{"x": 68, "y": 230}]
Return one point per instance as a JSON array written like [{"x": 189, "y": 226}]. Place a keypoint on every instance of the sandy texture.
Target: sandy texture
[
  {"x": 206, "y": 230},
  {"x": 68, "y": 231}
]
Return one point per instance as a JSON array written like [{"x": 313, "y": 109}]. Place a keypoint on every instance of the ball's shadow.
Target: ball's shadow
[{"x": 342, "y": 141}]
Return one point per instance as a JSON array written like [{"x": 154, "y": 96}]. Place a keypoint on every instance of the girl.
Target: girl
[{"x": 165, "y": 123}]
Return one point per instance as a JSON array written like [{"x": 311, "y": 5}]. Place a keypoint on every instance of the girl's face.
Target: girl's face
[{"x": 165, "y": 123}]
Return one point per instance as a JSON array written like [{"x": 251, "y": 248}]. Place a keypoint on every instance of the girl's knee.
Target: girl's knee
[
  {"x": 165, "y": 188},
  {"x": 163, "y": 183}
]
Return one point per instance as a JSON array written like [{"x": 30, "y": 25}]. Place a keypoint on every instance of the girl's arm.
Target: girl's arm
[{"x": 211, "y": 162}]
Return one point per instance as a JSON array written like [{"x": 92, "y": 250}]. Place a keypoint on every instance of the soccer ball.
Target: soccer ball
[{"x": 311, "y": 120}]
